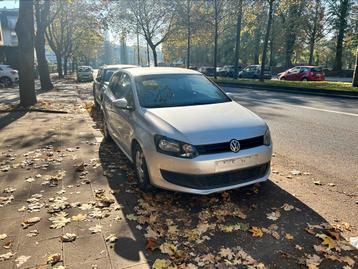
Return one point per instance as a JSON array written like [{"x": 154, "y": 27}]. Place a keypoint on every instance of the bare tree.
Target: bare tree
[
  {"x": 42, "y": 10},
  {"x": 25, "y": 33},
  {"x": 267, "y": 36},
  {"x": 238, "y": 37},
  {"x": 355, "y": 75}
]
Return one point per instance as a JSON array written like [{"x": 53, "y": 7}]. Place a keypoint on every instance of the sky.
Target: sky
[{"x": 9, "y": 3}]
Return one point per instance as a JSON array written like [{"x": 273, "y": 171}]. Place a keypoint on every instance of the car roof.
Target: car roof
[
  {"x": 120, "y": 66},
  {"x": 142, "y": 71}
]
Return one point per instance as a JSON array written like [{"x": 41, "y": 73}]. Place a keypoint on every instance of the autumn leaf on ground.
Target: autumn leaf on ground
[
  {"x": 96, "y": 229},
  {"x": 327, "y": 241},
  {"x": 151, "y": 244},
  {"x": 111, "y": 238},
  {"x": 21, "y": 260},
  {"x": 256, "y": 232},
  {"x": 208, "y": 258},
  {"x": 287, "y": 207},
  {"x": 132, "y": 217},
  {"x": 68, "y": 237},
  {"x": 54, "y": 258},
  {"x": 3, "y": 236},
  {"x": 59, "y": 220},
  {"x": 8, "y": 244},
  {"x": 33, "y": 233},
  {"x": 6, "y": 256},
  {"x": 167, "y": 248},
  {"x": 289, "y": 236},
  {"x": 275, "y": 215},
  {"x": 29, "y": 222},
  {"x": 226, "y": 253},
  {"x": 162, "y": 264},
  {"x": 313, "y": 261},
  {"x": 151, "y": 233},
  {"x": 79, "y": 217}
]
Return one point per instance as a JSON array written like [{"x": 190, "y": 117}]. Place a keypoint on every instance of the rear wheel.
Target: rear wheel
[
  {"x": 6, "y": 81},
  {"x": 305, "y": 79},
  {"x": 140, "y": 163},
  {"x": 282, "y": 78}
]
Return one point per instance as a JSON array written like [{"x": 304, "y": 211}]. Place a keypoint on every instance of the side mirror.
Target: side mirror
[{"x": 122, "y": 104}]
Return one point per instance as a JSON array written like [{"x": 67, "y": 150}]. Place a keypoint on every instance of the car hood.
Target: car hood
[{"x": 206, "y": 124}]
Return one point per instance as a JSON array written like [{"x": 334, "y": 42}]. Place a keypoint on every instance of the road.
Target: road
[{"x": 317, "y": 133}]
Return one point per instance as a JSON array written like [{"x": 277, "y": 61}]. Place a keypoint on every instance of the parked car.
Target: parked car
[
  {"x": 183, "y": 133},
  {"x": 220, "y": 72},
  {"x": 104, "y": 74},
  {"x": 84, "y": 73},
  {"x": 305, "y": 73},
  {"x": 8, "y": 76},
  {"x": 253, "y": 71},
  {"x": 207, "y": 71}
]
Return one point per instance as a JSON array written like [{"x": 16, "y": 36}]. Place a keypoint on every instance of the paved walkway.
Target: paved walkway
[
  {"x": 69, "y": 199},
  {"x": 49, "y": 165}
]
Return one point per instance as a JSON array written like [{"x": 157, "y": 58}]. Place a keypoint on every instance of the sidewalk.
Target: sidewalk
[
  {"x": 49, "y": 163},
  {"x": 68, "y": 199}
]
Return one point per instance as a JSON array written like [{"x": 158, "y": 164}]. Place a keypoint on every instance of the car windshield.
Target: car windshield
[
  {"x": 84, "y": 69},
  {"x": 177, "y": 90},
  {"x": 108, "y": 74}
]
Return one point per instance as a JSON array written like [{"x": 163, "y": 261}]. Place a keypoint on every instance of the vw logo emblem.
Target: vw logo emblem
[{"x": 234, "y": 145}]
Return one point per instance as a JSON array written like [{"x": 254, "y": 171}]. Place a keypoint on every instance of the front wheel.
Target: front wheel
[
  {"x": 305, "y": 79},
  {"x": 107, "y": 136},
  {"x": 143, "y": 180},
  {"x": 283, "y": 78}
]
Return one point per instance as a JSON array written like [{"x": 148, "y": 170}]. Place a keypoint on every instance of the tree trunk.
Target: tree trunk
[
  {"x": 73, "y": 64},
  {"x": 148, "y": 56},
  {"x": 25, "y": 33},
  {"x": 355, "y": 75},
  {"x": 59, "y": 66},
  {"x": 216, "y": 36},
  {"x": 238, "y": 40},
  {"x": 138, "y": 55},
  {"x": 155, "y": 56},
  {"x": 314, "y": 33},
  {"x": 188, "y": 36},
  {"x": 41, "y": 18},
  {"x": 65, "y": 60},
  {"x": 343, "y": 14},
  {"x": 267, "y": 36}
]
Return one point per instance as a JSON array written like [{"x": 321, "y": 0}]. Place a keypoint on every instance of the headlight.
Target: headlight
[
  {"x": 267, "y": 138},
  {"x": 175, "y": 148}
]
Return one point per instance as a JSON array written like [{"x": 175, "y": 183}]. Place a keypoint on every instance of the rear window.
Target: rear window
[
  {"x": 317, "y": 69},
  {"x": 85, "y": 69},
  {"x": 109, "y": 73}
]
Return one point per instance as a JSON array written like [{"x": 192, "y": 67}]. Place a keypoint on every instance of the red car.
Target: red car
[{"x": 304, "y": 73}]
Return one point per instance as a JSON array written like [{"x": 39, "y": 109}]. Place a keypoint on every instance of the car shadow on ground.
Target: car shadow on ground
[{"x": 201, "y": 225}]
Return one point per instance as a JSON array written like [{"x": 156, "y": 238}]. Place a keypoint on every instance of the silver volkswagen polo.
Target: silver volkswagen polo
[{"x": 183, "y": 133}]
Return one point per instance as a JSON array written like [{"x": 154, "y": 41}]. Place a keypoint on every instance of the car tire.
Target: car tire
[
  {"x": 282, "y": 78},
  {"x": 141, "y": 169},
  {"x": 6, "y": 81},
  {"x": 304, "y": 79}
]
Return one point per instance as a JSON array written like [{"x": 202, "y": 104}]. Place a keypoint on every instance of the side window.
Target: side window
[{"x": 121, "y": 87}]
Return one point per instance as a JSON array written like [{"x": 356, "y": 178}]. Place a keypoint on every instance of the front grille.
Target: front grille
[
  {"x": 213, "y": 181},
  {"x": 225, "y": 147}
]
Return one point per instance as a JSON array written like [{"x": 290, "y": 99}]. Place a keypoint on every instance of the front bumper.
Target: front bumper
[{"x": 207, "y": 174}]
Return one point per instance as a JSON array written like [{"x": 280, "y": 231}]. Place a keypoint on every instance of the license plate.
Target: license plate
[{"x": 231, "y": 163}]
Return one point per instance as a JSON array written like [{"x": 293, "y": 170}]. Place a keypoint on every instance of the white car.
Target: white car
[
  {"x": 183, "y": 133},
  {"x": 8, "y": 76}
]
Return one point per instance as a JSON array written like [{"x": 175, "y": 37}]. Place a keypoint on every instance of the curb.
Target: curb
[{"x": 326, "y": 93}]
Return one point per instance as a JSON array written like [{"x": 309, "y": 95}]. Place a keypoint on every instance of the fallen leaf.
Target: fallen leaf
[
  {"x": 160, "y": 264},
  {"x": 151, "y": 244},
  {"x": 33, "y": 233},
  {"x": 167, "y": 248},
  {"x": 3, "y": 236},
  {"x": 226, "y": 253},
  {"x": 327, "y": 241},
  {"x": 313, "y": 261},
  {"x": 8, "y": 244},
  {"x": 296, "y": 172},
  {"x": 317, "y": 182},
  {"x": 275, "y": 215},
  {"x": 256, "y": 232},
  {"x": 59, "y": 220},
  {"x": 54, "y": 258},
  {"x": 21, "y": 260},
  {"x": 287, "y": 207},
  {"x": 111, "y": 238},
  {"x": 68, "y": 237},
  {"x": 29, "y": 222},
  {"x": 79, "y": 217},
  {"x": 289, "y": 236},
  {"x": 6, "y": 256}
]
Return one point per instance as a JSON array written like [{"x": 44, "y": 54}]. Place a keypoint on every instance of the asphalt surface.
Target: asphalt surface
[{"x": 316, "y": 133}]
